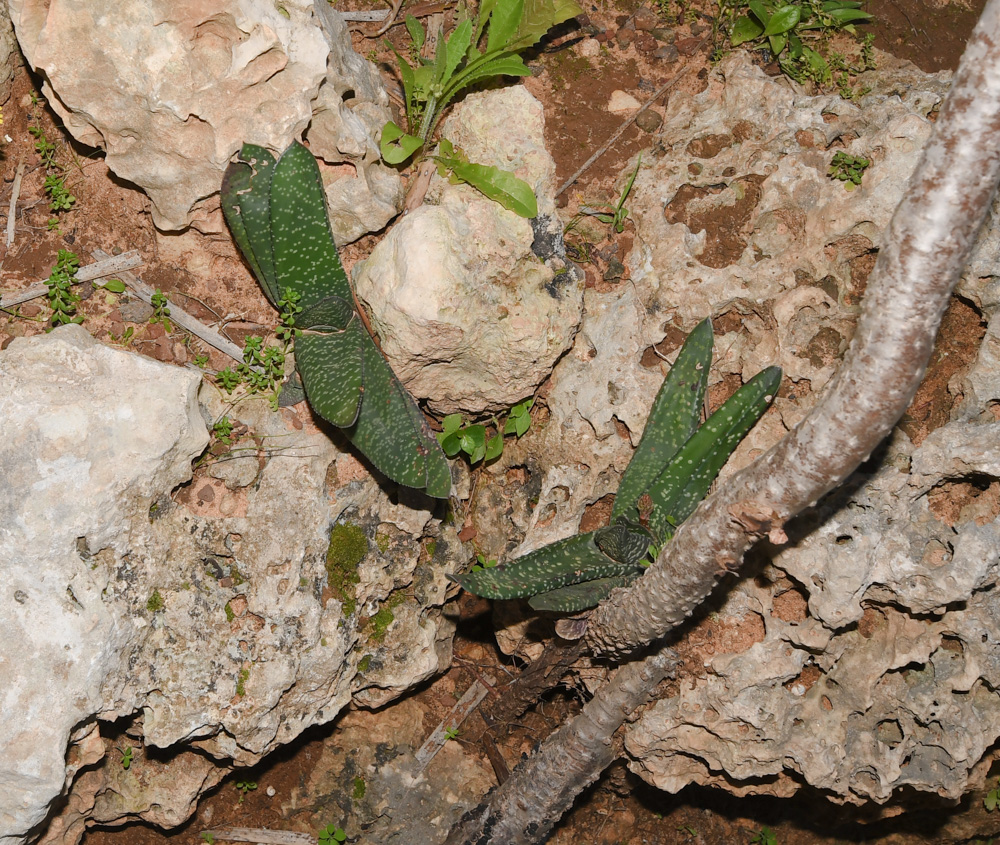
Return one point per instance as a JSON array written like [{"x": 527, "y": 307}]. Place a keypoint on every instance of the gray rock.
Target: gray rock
[
  {"x": 470, "y": 318},
  {"x": 171, "y": 92},
  {"x": 221, "y": 636}
]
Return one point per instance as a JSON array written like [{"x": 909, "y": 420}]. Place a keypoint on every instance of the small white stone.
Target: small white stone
[
  {"x": 271, "y": 792},
  {"x": 622, "y": 103},
  {"x": 590, "y": 48}
]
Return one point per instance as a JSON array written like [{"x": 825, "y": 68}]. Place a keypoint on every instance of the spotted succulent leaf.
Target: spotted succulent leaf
[
  {"x": 559, "y": 564},
  {"x": 624, "y": 541},
  {"x": 330, "y": 359},
  {"x": 672, "y": 420},
  {"x": 686, "y": 480},
  {"x": 577, "y": 597}
]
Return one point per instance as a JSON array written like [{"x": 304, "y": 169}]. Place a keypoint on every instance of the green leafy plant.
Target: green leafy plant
[
  {"x": 161, "y": 311},
  {"x": 111, "y": 285},
  {"x": 785, "y": 28},
  {"x": 245, "y": 786},
  {"x": 208, "y": 836},
  {"x": 61, "y": 296},
  {"x": 615, "y": 215},
  {"x": 765, "y": 836},
  {"x": 473, "y": 439},
  {"x": 482, "y": 563},
  {"x": 223, "y": 430},
  {"x": 200, "y": 360},
  {"x": 331, "y": 835},
  {"x": 128, "y": 756},
  {"x": 451, "y": 733},
  {"x": 510, "y": 27},
  {"x": 277, "y": 213},
  {"x": 671, "y": 471},
  {"x": 848, "y": 169},
  {"x": 60, "y": 199}
]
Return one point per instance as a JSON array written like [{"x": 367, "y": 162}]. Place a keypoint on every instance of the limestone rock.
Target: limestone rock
[
  {"x": 171, "y": 91},
  {"x": 470, "y": 318},
  {"x": 221, "y": 637}
]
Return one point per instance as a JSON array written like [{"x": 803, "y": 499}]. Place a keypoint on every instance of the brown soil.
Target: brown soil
[{"x": 641, "y": 48}]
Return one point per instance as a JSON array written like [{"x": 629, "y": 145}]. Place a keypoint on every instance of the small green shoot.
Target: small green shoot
[
  {"x": 126, "y": 337},
  {"x": 498, "y": 185},
  {"x": 223, "y": 430},
  {"x": 475, "y": 441},
  {"x": 765, "y": 836},
  {"x": 992, "y": 799},
  {"x": 687, "y": 829},
  {"x": 615, "y": 216},
  {"x": 60, "y": 199},
  {"x": 201, "y": 361},
  {"x": 111, "y": 285},
  {"x": 128, "y": 755},
  {"x": 228, "y": 379},
  {"x": 245, "y": 786},
  {"x": 332, "y": 835},
  {"x": 61, "y": 296},
  {"x": 161, "y": 311},
  {"x": 451, "y": 733},
  {"x": 208, "y": 837},
  {"x": 848, "y": 169},
  {"x": 482, "y": 563}
]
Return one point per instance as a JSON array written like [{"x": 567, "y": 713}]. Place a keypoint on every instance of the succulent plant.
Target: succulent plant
[
  {"x": 670, "y": 473},
  {"x": 276, "y": 210}
]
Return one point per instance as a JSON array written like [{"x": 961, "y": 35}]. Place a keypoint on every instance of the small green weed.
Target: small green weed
[
  {"x": 60, "y": 283},
  {"x": 475, "y": 441},
  {"x": 848, "y": 169},
  {"x": 245, "y": 786},
  {"x": 687, "y": 829},
  {"x": 111, "y": 285},
  {"x": 617, "y": 214},
  {"x": 201, "y": 361},
  {"x": 60, "y": 199},
  {"x": 482, "y": 563},
  {"x": 208, "y": 837},
  {"x": 331, "y": 835},
  {"x": 128, "y": 756},
  {"x": 785, "y": 28},
  {"x": 765, "y": 836},
  {"x": 126, "y": 337},
  {"x": 161, "y": 311},
  {"x": 223, "y": 430},
  {"x": 451, "y": 733}
]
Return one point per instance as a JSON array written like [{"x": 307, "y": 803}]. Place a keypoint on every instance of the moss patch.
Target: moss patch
[
  {"x": 241, "y": 682},
  {"x": 155, "y": 602},
  {"x": 348, "y": 547},
  {"x": 230, "y": 616},
  {"x": 358, "y": 791}
]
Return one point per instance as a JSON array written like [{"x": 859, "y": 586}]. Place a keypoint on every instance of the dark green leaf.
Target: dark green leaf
[
  {"x": 672, "y": 420},
  {"x": 473, "y": 440},
  {"x": 305, "y": 256},
  {"x": 686, "y": 480},
  {"x": 114, "y": 285},
  {"x": 450, "y": 424},
  {"x": 456, "y": 47},
  {"x": 486, "y": 8},
  {"x": 494, "y": 447},
  {"x": 746, "y": 29},
  {"x": 246, "y": 205},
  {"x": 759, "y": 11},
  {"x": 499, "y": 185},
  {"x": 625, "y": 542},
  {"x": 579, "y": 597},
  {"x": 480, "y": 70},
  {"x": 783, "y": 20},
  {"x": 332, "y": 367},
  {"x": 842, "y": 16},
  {"x": 564, "y": 562}
]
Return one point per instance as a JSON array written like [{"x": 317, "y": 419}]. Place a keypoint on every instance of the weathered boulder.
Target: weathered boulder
[
  {"x": 221, "y": 617},
  {"x": 470, "y": 317},
  {"x": 170, "y": 92}
]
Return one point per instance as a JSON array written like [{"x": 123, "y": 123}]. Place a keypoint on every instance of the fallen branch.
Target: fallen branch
[
  {"x": 177, "y": 314},
  {"x": 260, "y": 835},
  {"x": 15, "y": 192},
  {"x": 107, "y": 266},
  {"x": 458, "y": 714}
]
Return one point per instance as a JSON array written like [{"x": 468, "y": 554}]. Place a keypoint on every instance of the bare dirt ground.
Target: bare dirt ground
[{"x": 641, "y": 48}]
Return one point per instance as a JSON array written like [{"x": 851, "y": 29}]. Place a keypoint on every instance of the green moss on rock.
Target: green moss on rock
[{"x": 348, "y": 547}]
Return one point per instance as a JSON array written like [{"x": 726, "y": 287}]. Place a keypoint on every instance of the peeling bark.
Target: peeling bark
[
  {"x": 925, "y": 249},
  {"x": 525, "y": 807}
]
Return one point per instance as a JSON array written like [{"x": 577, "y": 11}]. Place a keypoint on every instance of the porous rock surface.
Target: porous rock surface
[
  {"x": 871, "y": 663},
  {"x": 474, "y": 304},
  {"x": 170, "y": 91},
  {"x": 215, "y": 635}
]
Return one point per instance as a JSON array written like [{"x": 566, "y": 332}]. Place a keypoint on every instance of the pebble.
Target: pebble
[
  {"x": 664, "y": 35},
  {"x": 590, "y": 48},
  {"x": 688, "y": 46},
  {"x": 649, "y": 121},
  {"x": 271, "y": 792},
  {"x": 622, "y": 102},
  {"x": 667, "y": 53},
  {"x": 646, "y": 20}
]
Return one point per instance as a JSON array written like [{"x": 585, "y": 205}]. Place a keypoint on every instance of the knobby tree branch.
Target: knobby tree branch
[{"x": 925, "y": 249}]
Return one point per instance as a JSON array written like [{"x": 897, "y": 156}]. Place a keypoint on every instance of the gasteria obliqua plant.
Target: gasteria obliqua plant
[
  {"x": 276, "y": 210},
  {"x": 670, "y": 473}
]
